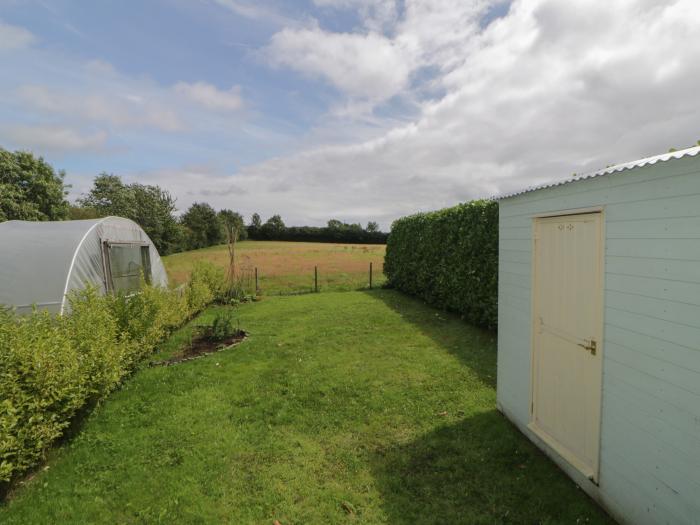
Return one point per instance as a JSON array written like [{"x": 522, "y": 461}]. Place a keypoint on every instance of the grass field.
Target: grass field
[
  {"x": 289, "y": 266},
  {"x": 357, "y": 407}
]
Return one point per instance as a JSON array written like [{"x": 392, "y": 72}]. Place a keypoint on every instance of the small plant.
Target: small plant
[{"x": 224, "y": 327}]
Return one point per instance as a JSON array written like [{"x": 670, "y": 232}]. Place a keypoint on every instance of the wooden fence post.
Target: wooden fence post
[
  {"x": 256, "y": 281},
  {"x": 316, "y": 279},
  {"x": 370, "y": 276}
]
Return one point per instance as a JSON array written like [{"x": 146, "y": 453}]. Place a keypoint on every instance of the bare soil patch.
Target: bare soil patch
[{"x": 202, "y": 345}]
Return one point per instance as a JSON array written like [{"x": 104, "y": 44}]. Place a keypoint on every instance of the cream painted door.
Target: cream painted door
[{"x": 567, "y": 360}]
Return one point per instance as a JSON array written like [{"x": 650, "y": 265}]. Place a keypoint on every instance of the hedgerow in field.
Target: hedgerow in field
[
  {"x": 450, "y": 259},
  {"x": 51, "y": 366}
]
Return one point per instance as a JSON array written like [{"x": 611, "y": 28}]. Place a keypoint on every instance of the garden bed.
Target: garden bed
[{"x": 202, "y": 345}]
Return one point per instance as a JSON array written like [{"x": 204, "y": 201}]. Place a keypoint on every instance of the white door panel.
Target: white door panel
[{"x": 567, "y": 325}]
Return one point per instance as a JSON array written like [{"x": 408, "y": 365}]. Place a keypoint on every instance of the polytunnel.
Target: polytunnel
[{"x": 42, "y": 262}]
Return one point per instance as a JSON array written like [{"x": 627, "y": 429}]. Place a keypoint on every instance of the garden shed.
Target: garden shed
[
  {"x": 41, "y": 262},
  {"x": 599, "y": 331}
]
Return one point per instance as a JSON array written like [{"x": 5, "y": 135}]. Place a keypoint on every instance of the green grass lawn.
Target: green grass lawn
[{"x": 356, "y": 407}]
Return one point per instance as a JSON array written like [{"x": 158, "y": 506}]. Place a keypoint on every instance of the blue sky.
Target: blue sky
[
  {"x": 353, "y": 109},
  {"x": 164, "y": 43}
]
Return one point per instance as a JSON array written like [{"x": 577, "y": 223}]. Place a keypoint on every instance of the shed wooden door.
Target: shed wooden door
[{"x": 567, "y": 335}]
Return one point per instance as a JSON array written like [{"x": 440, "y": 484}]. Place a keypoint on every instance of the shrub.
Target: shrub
[
  {"x": 51, "y": 366},
  {"x": 147, "y": 317},
  {"x": 449, "y": 258},
  {"x": 224, "y": 326},
  {"x": 207, "y": 284},
  {"x": 41, "y": 387}
]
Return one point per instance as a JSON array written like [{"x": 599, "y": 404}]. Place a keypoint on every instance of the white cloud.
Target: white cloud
[
  {"x": 53, "y": 138},
  {"x": 383, "y": 58},
  {"x": 550, "y": 89},
  {"x": 14, "y": 37},
  {"x": 210, "y": 97},
  {"x": 120, "y": 110},
  {"x": 366, "y": 66},
  {"x": 432, "y": 108}
]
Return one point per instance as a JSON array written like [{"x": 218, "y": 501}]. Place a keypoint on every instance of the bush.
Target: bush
[
  {"x": 147, "y": 317},
  {"x": 449, "y": 258},
  {"x": 207, "y": 284},
  {"x": 224, "y": 326},
  {"x": 52, "y": 366}
]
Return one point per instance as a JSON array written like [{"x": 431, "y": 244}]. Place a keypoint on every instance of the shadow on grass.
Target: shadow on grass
[
  {"x": 480, "y": 469},
  {"x": 475, "y": 347},
  {"x": 477, "y": 470}
]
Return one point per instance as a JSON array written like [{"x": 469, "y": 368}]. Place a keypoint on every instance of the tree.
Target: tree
[
  {"x": 155, "y": 212},
  {"x": 372, "y": 227},
  {"x": 151, "y": 207},
  {"x": 276, "y": 223},
  {"x": 232, "y": 222},
  {"x": 273, "y": 227},
  {"x": 110, "y": 196},
  {"x": 203, "y": 224},
  {"x": 254, "y": 226},
  {"x": 77, "y": 213},
  {"x": 30, "y": 189},
  {"x": 335, "y": 224}
]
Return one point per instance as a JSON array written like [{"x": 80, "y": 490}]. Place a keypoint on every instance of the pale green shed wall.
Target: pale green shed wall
[{"x": 650, "y": 434}]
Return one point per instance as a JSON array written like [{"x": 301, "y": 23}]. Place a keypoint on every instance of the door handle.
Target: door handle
[{"x": 590, "y": 346}]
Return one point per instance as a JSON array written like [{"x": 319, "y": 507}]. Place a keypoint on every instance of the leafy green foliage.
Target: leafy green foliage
[
  {"x": 224, "y": 326},
  {"x": 30, "y": 189},
  {"x": 207, "y": 284},
  {"x": 449, "y": 258},
  {"x": 273, "y": 227},
  {"x": 77, "y": 213},
  {"x": 335, "y": 231},
  {"x": 203, "y": 226},
  {"x": 150, "y": 207},
  {"x": 52, "y": 366},
  {"x": 255, "y": 224},
  {"x": 233, "y": 225}
]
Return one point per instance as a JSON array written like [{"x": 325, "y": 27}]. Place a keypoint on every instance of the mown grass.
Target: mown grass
[
  {"x": 359, "y": 407},
  {"x": 288, "y": 267}
]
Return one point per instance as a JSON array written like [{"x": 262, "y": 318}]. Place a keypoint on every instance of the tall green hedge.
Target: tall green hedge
[{"x": 449, "y": 258}]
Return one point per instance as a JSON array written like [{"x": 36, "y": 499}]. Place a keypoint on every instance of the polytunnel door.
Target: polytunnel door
[
  {"x": 125, "y": 264},
  {"x": 567, "y": 331}
]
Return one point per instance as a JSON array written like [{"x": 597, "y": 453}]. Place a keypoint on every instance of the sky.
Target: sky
[{"x": 359, "y": 110}]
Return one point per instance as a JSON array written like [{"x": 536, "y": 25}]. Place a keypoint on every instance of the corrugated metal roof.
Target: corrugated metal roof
[{"x": 689, "y": 152}]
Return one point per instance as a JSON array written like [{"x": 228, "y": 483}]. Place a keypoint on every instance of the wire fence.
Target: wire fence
[{"x": 254, "y": 279}]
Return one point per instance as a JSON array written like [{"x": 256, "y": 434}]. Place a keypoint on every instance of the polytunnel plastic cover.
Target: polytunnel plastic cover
[{"x": 41, "y": 262}]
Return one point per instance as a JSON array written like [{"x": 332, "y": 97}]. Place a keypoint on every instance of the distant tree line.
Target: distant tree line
[
  {"x": 30, "y": 189},
  {"x": 335, "y": 231}
]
